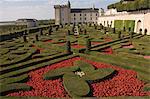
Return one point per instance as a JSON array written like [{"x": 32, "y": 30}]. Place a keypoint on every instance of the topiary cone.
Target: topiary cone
[
  {"x": 88, "y": 45},
  {"x": 68, "y": 47},
  {"x": 37, "y": 37},
  {"x": 25, "y": 38},
  {"x": 119, "y": 35}
]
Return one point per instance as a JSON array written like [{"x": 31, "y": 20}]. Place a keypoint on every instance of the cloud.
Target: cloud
[{"x": 41, "y": 9}]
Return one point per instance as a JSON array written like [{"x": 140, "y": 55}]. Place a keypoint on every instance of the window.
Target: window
[
  {"x": 74, "y": 19},
  {"x": 80, "y": 14},
  {"x": 96, "y": 14},
  {"x": 84, "y": 14},
  {"x": 80, "y": 18},
  {"x": 74, "y": 14},
  {"x": 91, "y": 18},
  {"x": 85, "y": 18}
]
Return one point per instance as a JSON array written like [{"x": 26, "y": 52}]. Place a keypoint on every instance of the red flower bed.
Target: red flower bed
[
  {"x": 95, "y": 43},
  {"x": 38, "y": 49},
  {"x": 124, "y": 83},
  {"x": 108, "y": 50},
  {"x": 77, "y": 46},
  {"x": 47, "y": 41}
]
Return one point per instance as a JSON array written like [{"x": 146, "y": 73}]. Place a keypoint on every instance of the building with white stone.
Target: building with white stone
[{"x": 64, "y": 14}]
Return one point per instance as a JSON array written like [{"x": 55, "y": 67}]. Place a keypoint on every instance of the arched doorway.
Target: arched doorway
[{"x": 139, "y": 26}]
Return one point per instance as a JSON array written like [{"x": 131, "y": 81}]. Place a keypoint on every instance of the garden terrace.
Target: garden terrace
[{"x": 48, "y": 66}]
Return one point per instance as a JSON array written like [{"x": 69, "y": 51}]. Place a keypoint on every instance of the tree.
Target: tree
[
  {"x": 145, "y": 31},
  {"x": 25, "y": 38},
  {"x": 140, "y": 31},
  {"x": 114, "y": 30},
  {"x": 41, "y": 31},
  {"x": 68, "y": 47},
  {"x": 50, "y": 30},
  {"x": 37, "y": 37},
  {"x": 68, "y": 33},
  {"x": 88, "y": 45},
  {"x": 85, "y": 32},
  {"x": 119, "y": 35}
]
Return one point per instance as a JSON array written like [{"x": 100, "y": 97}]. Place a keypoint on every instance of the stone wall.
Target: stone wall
[{"x": 142, "y": 21}]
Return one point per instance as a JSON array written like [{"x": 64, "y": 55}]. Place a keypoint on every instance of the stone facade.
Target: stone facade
[
  {"x": 64, "y": 14},
  {"x": 142, "y": 19},
  {"x": 28, "y": 22}
]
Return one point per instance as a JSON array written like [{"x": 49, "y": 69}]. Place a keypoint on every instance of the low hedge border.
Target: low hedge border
[
  {"x": 17, "y": 79},
  {"x": 21, "y": 59},
  {"x": 142, "y": 74},
  {"x": 33, "y": 67},
  {"x": 30, "y": 63},
  {"x": 5, "y": 89}
]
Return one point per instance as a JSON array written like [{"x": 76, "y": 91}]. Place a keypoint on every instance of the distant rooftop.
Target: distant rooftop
[{"x": 80, "y": 10}]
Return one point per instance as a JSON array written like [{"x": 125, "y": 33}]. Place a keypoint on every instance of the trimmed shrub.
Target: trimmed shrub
[
  {"x": 37, "y": 37},
  {"x": 68, "y": 47},
  {"x": 33, "y": 64},
  {"x": 98, "y": 74},
  {"x": 17, "y": 79},
  {"x": 74, "y": 85},
  {"x": 59, "y": 72},
  {"x": 41, "y": 31},
  {"x": 119, "y": 35},
  {"x": 88, "y": 45},
  {"x": 25, "y": 38},
  {"x": 5, "y": 89},
  {"x": 84, "y": 66}
]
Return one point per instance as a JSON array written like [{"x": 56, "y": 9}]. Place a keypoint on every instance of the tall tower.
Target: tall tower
[
  {"x": 57, "y": 14},
  {"x": 62, "y": 14}
]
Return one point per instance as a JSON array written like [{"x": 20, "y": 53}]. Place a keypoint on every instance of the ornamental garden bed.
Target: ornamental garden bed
[{"x": 53, "y": 81}]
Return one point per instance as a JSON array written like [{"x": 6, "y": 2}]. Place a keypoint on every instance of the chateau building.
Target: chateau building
[
  {"x": 64, "y": 14},
  {"x": 138, "y": 20}
]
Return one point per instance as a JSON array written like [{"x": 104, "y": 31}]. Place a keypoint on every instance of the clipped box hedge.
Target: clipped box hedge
[
  {"x": 17, "y": 79},
  {"x": 5, "y": 89},
  {"x": 28, "y": 67}
]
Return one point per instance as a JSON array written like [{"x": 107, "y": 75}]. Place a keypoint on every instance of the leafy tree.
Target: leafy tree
[
  {"x": 25, "y": 38},
  {"x": 68, "y": 46},
  {"x": 88, "y": 45},
  {"x": 119, "y": 35},
  {"x": 37, "y": 37}
]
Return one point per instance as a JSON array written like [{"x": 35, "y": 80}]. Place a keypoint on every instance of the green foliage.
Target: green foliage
[
  {"x": 33, "y": 64},
  {"x": 13, "y": 87},
  {"x": 84, "y": 66},
  {"x": 59, "y": 72},
  {"x": 74, "y": 85},
  {"x": 13, "y": 79},
  {"x": 121, "y": 24},
  {"x": 68, "y": 47},
  {"x": 88, "y": 45},
  {"x": 98, "y": 74},
  {"x": 147, "y": 87},
  {"x": 131, "y": 6}
]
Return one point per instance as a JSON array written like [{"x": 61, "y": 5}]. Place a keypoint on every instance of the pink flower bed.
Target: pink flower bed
[
  {"x": 95, "y": 43},
  {"x": 147, "y": 57},
  {"x": 48, "y": 41},
  {"x": 108, "y": 51},
  {"x": 128, "y": 46},
  {"x": 124, "y": 83},
  {"x": 77, "y": 46}
]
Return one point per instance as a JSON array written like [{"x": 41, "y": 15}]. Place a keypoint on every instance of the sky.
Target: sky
[{"x": 11, "y": 10}]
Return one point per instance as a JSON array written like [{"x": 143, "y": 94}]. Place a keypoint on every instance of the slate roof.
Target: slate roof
[{"x": 82, "y": 10}]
